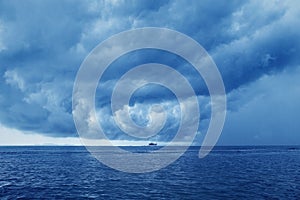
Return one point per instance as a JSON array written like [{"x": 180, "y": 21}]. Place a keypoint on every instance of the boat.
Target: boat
[{"x": 152, "y": 144}]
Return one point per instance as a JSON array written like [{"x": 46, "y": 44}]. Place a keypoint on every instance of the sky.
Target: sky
[{"x": 255, "y": 45}]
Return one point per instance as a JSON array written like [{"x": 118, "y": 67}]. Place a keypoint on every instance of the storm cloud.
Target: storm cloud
[{"x": 253, "y": 43}]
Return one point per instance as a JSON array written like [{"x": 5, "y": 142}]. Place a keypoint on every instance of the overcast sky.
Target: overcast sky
[{"x": 255, "y": 45}]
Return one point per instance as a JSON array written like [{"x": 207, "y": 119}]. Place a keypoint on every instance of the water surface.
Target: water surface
[{"x": 268, "y": 172}]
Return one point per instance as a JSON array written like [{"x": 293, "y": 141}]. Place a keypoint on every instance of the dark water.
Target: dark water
[{"x": 226, "y": 173}]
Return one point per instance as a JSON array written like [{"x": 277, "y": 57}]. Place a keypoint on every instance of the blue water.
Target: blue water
[{"x": 226, "y": 173}]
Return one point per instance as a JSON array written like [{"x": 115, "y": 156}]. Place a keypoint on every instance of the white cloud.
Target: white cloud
[
  {"x": 157, "y": 119},
  {"x": 10, "y": 136},
  {"x": 13, "y": 78}
]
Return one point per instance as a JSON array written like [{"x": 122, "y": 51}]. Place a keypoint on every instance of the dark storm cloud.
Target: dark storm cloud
[
  {"x": 268, "y": 112},
  {"x": 42, "y": 45}
]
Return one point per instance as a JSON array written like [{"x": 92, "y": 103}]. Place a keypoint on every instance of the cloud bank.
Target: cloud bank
[{"x": 255, "y": 45}]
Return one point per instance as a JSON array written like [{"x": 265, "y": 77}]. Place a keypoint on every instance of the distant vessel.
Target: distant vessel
[{"x": 152, "y": 144}]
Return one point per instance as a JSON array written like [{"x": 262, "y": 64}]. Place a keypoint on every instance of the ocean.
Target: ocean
[{"x": 57, "y": 172}]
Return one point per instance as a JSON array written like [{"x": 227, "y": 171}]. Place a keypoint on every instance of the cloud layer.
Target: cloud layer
[{"x": 255, "y": 45}]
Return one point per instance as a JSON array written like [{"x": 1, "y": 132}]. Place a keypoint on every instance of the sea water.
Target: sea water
[{"x": 251, "y": 172}]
